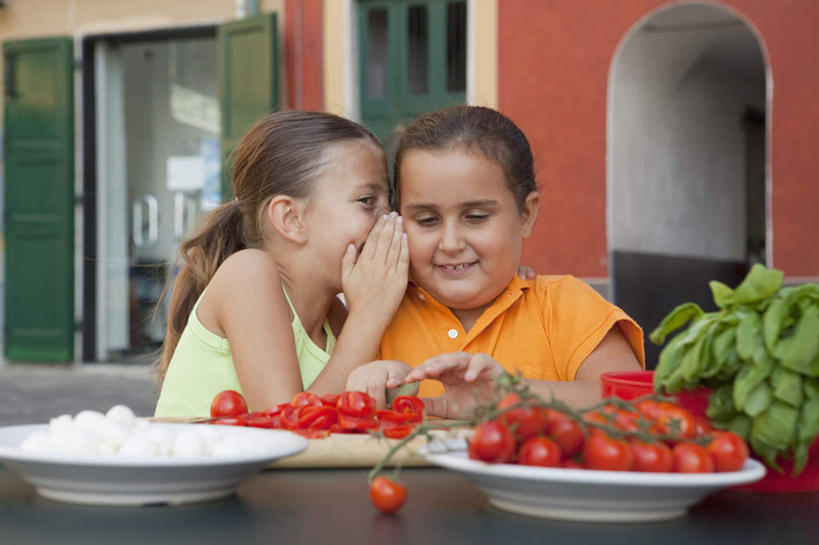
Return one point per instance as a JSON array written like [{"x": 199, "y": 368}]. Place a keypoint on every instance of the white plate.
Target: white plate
[
  {"x": 117, "y": 480},
  {"x": 584, "y": 494}
]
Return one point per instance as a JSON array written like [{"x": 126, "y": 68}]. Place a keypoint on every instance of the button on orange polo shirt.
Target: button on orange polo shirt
[{"x": 545, "y": 328}]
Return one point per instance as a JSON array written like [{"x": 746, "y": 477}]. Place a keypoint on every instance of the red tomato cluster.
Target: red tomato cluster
[
  {"x": 316, "y": 416},
  {"x": 541, "y": 436}
]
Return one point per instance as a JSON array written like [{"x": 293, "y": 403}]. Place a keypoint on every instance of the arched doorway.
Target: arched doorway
[{"x": 687, "y": 158}]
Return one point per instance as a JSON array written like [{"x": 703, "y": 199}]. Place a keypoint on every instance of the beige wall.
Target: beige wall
[{"x": 21, "y": 19}]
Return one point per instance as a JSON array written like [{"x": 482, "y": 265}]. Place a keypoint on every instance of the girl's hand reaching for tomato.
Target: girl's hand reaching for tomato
[
  {"x": 469, "y": 380},
  {"x": 375, "y": 377},
  {"x": 374, "y": 281}
]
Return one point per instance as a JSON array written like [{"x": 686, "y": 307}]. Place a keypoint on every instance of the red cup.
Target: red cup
[{"x": 632, "y": 384}]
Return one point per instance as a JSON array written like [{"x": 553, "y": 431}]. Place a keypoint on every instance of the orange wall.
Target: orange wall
[{"x": 553, "y": 67}]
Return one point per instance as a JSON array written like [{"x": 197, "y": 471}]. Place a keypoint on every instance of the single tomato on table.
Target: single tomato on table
[
  {"x": 228, "y": 403},
  {"x": 387, "y": 495}
]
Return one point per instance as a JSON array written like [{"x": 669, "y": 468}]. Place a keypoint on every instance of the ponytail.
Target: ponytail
[{"x": 219, "y": 236}]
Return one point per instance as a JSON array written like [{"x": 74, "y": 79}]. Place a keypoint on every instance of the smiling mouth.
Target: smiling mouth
[{"x": 456, "y": 269}]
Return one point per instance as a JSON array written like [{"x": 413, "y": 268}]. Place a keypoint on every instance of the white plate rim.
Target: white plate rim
[
  {"x": 14, "y": 454},
  {"x": 456, "y": 459}
]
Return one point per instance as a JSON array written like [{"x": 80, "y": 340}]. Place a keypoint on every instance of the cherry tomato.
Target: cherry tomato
[
  {"x": 566, "y": 432},
  {"x": 387, "y": 496},
  {"x": 256, "y": 420},
  {"x": 492, "y": 442},
  {"x": 358, "y": 404},
  {"x": 539, "y": 451},
  {"x": 396, "y": 431},
  {"x": 525, "y": 422},
  {"x": 691, "y": 458},
  {"x": 653, "y": 457},
  {"x": 388, "y": 415},
  {"x": 317, "y": 417},
  {"x": 571, "y": 463},
  {"x": 702, "y": 426},
  {"x": 303, "y": 399},
  {"x": 728, "y": 451},
  {"x": 508, "y": 400},
  {"x": 290, "y": 417},
  {"x": 228, "y": 403},
  {"x": 331, "y": 400},
  {"x": 649, "y": 407},
  {"x": 604, "y": 452},
  {"x": 410, "y": 405},
  {"x": 675, "y": 420},
  {"x": 355, "y": 423},
  {"x": 312, "y": 434}
]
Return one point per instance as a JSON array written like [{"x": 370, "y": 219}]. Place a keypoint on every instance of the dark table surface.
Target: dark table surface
[{"x": 332, "y": 506}]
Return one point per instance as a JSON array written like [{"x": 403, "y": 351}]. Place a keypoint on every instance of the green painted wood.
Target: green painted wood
[
  {"x": 249, "y": 80},
  {"x": 386, "y": 115},
  {"x": 39, "y": 199}
]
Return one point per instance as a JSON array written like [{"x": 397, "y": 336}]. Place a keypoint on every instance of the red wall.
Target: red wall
[
  {"x": 553, "y": 68},
  {"x": 303, "y": 42}
]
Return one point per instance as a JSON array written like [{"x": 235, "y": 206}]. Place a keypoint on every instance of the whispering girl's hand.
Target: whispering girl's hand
[{"x": 375, "y": 282}]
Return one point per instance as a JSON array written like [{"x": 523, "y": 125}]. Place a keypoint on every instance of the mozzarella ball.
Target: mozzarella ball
[
  {"x": 139, "y": 447},
  {"x": 188, "y": 444},
  {"x": 122, "y": 415}
]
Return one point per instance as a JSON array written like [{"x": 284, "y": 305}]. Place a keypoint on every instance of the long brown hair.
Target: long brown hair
[
  {"x": 280, "y": 155},
  {"x": 492, "y": 133}
]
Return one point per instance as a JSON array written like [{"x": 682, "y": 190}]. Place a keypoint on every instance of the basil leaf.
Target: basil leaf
[
  {"x": 723, "y": 295},
  {"x": 799, "y": 351},
  {"x": 741, "y": 424},
  {"x": 759, "y": 399},
  {"x": 787, "y": 386},
  {"x": 772, "y": 322},
  {"x": 776, "y": 426},
  {"x": 768, "y": 453},
  {"x": 721, "y": 403},
  {"x": 749, "y": 335},
  {"x": 800, "y": 458},
  {"x": 677, "y": 318},
  {"x": 670, "y": 358},
  {"x": 809, "y": 421},
  {"x": 760, "y": 283},
  {"x": 747, "y": 379}
]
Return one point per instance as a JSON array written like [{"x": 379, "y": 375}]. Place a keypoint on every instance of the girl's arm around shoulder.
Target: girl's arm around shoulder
[{"x": 245, "y": 303}]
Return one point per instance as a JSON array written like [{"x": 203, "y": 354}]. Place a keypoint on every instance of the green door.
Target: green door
[
  {"x": 412, "y": 60},
  {"x": 249, "y": 79},
  {"x": 39, "y": 199}
]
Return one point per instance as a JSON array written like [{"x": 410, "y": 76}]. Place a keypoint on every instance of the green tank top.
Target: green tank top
[{"x": 202, "y": 366}]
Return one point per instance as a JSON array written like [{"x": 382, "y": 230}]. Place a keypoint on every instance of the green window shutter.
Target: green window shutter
[
  {"x": 390, "y": 96},
  {"x": 249, "y": 79},
  {"x": 39, "y": 199}
]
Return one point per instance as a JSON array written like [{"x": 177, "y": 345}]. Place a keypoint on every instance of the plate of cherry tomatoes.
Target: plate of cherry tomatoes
[{"x": 640, "y": 461}]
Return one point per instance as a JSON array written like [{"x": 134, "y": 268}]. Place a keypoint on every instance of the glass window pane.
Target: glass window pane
[
  {"x": 417, "y": 50},
  {"x": 456, "y": 47},
  {"x": 377, "y": 53}
]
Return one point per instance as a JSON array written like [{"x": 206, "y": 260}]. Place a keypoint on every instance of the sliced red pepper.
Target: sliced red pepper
[
  {"x": 358, "y": 404},
  {"x": 411, "y": 405}
]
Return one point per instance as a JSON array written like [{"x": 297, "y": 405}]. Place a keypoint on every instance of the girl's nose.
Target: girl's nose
[{"x": 451, "y": 240}]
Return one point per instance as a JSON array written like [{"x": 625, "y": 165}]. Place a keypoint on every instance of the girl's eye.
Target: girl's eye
[
  {"x": 476, "y": 217},
  {"x": 369, "y": 201},
  {"x": 426, "y": 221}
]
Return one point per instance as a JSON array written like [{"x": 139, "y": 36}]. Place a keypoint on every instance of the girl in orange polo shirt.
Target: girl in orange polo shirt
[{"x": 466, "y": 190}]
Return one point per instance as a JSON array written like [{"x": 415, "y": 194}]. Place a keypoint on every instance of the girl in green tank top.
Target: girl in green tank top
[{"x": 254, "y": 307}]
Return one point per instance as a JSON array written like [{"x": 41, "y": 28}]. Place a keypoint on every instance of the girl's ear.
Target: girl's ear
[
  {"x": 531, "y": 207},
  {"x": 287, "y": 217}
]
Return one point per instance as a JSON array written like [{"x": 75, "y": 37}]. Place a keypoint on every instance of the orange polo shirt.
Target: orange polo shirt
[{"x": 544, "y": 328}]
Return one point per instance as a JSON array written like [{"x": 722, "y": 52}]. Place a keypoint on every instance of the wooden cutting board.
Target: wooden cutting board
[{"x": 350, "y": 450}]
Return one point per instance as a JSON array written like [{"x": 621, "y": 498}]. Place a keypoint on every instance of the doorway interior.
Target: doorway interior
[
  {"x": 687, "y": 158},
  {"x": 152, "y": 161}
]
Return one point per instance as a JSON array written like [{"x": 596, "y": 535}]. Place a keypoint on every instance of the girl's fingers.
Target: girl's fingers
[
  {"x": 385, "y": 238},
  {"x": 372, "y": 239},
  {"x": 394, "y": 253},
  {"x": 348, "y": 260}
]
